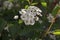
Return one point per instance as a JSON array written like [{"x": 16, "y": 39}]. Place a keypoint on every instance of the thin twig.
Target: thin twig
[{"x": 51, "y": 24}]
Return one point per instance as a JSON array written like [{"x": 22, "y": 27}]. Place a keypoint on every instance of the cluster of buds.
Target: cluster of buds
[{"x": 30, "y": 15}]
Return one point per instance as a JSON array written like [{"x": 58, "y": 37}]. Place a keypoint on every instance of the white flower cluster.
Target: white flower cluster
[
  {"x": 8, "y": 4},
  {"x": 29, "y": 16}
]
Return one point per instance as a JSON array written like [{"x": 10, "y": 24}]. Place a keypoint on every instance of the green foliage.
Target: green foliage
[
  {"x": 2, "y": 24},
  {"x": 17, "y": 29},
  {"x": 44, "y": 4},
  {"x": 55, "y": 10}
]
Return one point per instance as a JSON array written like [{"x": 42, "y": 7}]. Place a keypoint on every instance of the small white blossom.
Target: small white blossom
[
  {"x": 40, "y": 21},
  {"x": 23, "y": 11},
  {"x": 16, "y": 17},
  {"x": 8, "y": 4},
  {"x": 37, "y": 18},
  {"x": 29, "y": 22},
  {"x": 35, "y": 8},
  {"x": 38, "y": 10},
  {"x": 32, "y": 22},
  {"x": 32, "y": 12},
  {"x": 50, "y": 17},
  {"x": 39, "y": 14}
]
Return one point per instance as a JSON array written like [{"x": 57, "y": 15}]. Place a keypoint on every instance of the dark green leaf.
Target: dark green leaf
[
  {"x": 55, "y": 10},
  {"x": 14, "y": 29}
]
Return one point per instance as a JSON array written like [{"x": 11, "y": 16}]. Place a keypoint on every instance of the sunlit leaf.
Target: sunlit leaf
[
  {"x": 56, "y": 32},
  {"x": 44, "y": 4},
  {"x": 26, "y": 6}
]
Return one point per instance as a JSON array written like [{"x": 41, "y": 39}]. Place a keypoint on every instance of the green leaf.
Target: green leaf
[
  {"x": 11, "y": 0},
  {"x": 44, "y": 4},
  {"x": 26, "y": 6},
  {"x": 34, "y": 3},
  {"x": 55, "y": 10},
  {"x": 28, "y": 0},
  {"x": 56, "y": 32},
  {"x": 2, "y": 24},
  {"x": 20, "y": 21}
]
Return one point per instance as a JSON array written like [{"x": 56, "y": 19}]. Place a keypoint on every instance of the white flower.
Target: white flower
[
  {"x": 16, "y": 17},
  {"x": 50, "y": 17},
  {"x": 8, "y": 4},
  {"x": 29, "y": 16}
]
